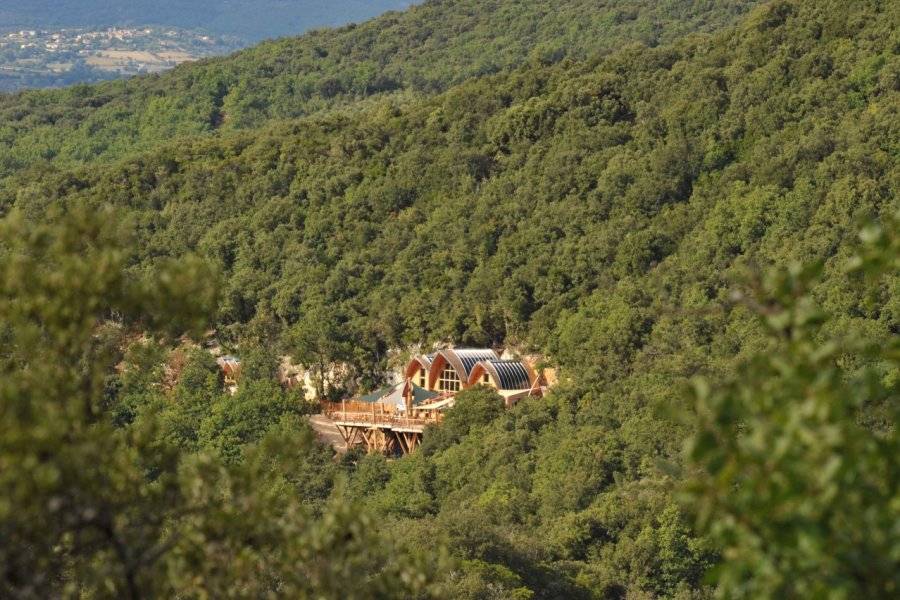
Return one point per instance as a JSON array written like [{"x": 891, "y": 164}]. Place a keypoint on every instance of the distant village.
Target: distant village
[{"x": 45, "y": 58}]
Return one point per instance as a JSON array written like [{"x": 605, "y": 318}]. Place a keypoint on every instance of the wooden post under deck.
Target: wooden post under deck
[{"x": 380, "y": 429}]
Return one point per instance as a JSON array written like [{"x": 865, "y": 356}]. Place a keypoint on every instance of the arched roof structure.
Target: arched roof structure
[
  {"x": 422, "y": 361},
  {"x": 507, "y": 374},
  {"x": 462, "y": 360}
]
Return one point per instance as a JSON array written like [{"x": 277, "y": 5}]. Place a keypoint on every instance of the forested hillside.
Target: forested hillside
[
  {"x": 421, "y": 51},
  {"x": 699, "y": 233}
]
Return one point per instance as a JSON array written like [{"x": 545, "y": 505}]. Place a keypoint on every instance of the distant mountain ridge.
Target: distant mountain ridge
[{"x": 252, "y": 20}]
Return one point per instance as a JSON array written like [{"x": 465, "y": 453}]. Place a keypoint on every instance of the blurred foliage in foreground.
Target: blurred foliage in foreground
[
  {"x": 92, "y": 509},
  {"x": 797, "y": 455}
]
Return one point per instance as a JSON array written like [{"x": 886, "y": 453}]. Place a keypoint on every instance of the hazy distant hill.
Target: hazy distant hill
[{"x": 249, "y": 19}]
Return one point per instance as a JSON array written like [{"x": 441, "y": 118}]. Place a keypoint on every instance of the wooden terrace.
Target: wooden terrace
[{"x": 381, "y": 427}]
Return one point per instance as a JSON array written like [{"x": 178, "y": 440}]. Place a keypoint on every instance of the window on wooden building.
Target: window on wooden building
[
  {"x": 448, "y": 381},
  {"x": 422, "y": 378}
]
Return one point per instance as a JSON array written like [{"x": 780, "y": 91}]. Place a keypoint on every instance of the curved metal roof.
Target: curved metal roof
[
  {"x": 421, "y": 361},
  {"x": 425, "y": 359},
  {"x": 509, "y": 374},
  {"x": 469, "y": 357},
  {"x": 462, "y": 361}
]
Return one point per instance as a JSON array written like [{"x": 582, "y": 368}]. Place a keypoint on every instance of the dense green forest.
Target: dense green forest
[
  {"x": 699, "y": 229},
  {"x": 421, "y": 51}
]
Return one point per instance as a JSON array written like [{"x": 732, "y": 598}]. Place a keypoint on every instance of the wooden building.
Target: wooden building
[
  {"x": 453, "y": 370},
  {"x": 393, "y": 419}
]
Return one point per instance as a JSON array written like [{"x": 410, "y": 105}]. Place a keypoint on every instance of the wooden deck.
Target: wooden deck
[{"x": 378, "y": 427}]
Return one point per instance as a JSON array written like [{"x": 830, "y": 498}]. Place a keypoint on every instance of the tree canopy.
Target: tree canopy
[{"x": 650, "y": 216}]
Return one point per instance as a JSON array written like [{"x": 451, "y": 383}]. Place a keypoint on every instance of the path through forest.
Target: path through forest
[{"x": 328, "y": 432}]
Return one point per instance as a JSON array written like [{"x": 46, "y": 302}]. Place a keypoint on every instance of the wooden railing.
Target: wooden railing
[{"x": 374, "y": 413}]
